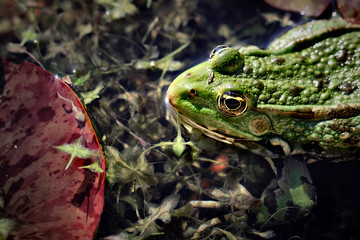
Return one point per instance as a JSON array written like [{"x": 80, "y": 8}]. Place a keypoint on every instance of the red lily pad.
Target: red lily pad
[
  {"x": 39, "y": 113},
  {"x": 312, "y": 8}
]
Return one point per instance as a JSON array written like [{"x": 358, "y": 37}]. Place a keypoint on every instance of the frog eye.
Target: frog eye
[
  {"x": 232, "y": 103},
  {"x": 226, "y": 60}
]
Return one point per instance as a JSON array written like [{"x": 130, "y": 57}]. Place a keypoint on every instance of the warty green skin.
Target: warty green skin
[
  {"x": 306, "y": 89},
  {"x": 302, "y": 93}
]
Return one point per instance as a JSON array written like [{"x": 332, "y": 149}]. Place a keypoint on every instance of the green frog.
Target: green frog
[{"x": 296, "y": 101}]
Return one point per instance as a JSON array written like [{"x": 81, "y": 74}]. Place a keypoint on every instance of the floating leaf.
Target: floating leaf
[{"x": 39, "y": 112}]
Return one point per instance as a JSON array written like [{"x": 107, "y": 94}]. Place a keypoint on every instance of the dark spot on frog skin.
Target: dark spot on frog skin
[
  {"x": 320, "y": 82},
  {"x": 345, "y": 136},
  {"x": 258, "y": 84},
  {"x": 350, "y": 140},
  {"x": 45, "y": 114},
  {"x": 278, "y": 60},
  {"x": 346, "y": 88},
  {"x": 333, "y": 125},
  {"x": 295, "y": 90},
  {"x": 341, "y": 55},
  {"x": 248, "y": 69}
]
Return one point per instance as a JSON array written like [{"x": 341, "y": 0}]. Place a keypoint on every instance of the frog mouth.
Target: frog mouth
[
  {"x": 211, "y": 133},
  {"x": 239, "y": 142},
  {"x": 190, "y": 124}
]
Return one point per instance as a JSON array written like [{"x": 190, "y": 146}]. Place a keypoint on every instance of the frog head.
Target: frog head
[{"x": 210, "y": 97}]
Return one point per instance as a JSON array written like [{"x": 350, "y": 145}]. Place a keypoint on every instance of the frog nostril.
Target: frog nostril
[{"x": 193, "y": 92}]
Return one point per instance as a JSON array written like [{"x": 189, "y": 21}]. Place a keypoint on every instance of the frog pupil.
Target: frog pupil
[{"x": 232, "y": 103}]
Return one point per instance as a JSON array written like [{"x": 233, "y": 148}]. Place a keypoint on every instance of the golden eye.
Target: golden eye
[{"x": 232, "y": 103}]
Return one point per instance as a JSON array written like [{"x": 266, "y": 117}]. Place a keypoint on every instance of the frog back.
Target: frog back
[{"x": 306, "y": 35}]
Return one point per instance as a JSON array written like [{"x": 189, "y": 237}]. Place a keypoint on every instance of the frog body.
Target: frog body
[
  {"x": 302, "y": 94},
  {"x": 310, "y": 98}
]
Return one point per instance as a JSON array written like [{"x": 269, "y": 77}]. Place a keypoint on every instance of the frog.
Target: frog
[{"x": 294, "y": 102}]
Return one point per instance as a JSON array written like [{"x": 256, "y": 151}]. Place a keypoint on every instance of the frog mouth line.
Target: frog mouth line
[
  {"x": 189, "y": 124},
  {"x": 239, "y": 142}
]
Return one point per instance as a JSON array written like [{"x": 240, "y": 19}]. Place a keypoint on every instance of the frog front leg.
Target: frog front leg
[{"x": 291, "y": 195}]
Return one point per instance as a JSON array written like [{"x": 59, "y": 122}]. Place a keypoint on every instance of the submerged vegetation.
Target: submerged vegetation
[{"x": 120, "y": 56}]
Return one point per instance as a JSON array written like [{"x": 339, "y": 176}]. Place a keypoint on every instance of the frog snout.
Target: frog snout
[
  {"x": 172, "y": 94},
  {"x": 177, "y": 91}
]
